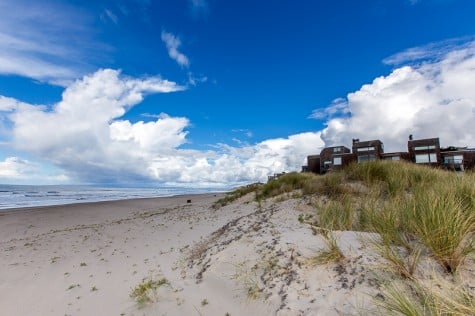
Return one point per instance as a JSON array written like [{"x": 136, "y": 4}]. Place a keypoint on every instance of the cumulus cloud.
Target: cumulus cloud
[
  {"x": 172, "y": 43},
  {"x": 85, "y": 136},
  {"x": 231, "y": 165},
  {"x": 433, "y": 99}
]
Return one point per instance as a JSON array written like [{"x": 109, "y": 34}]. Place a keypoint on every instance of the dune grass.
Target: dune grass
[
  {"x": 331, "y": 254},
  {"x": 414, "y": 209},
  {"x": 418, "y": 299},
  {"x": 236, "y": 194},
  {"x": 146, "y": 291},
  {"x": 400, "y": 201}
]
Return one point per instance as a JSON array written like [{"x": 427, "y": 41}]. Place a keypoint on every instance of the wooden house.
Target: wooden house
[
  {"x": 367, "y": 150},
  {"x": 424, "y": 151}
]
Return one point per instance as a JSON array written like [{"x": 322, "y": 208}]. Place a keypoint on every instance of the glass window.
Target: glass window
[
  {"x": 363, "y": 158},
  {"x": 365, "y": 148},
  {"x": 426, "y": 158},
  {"x": 424, "y": 147},
  {"x": 337, "y": 161},
  {"x": 337, "y": 149},
  {"x": 458, "y": 159}
]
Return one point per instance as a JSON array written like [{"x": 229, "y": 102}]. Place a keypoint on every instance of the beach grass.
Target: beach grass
[
  {"x": 236, "y": 194},
  {"x": 414, "y": 210},
  {"x": 146, "y": 291},
  {"x": 331, "y": 254}
]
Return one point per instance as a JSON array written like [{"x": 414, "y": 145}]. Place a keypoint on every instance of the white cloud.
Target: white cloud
[
  {"x": 338, "y": 107},
  {"x": 429, "y": 100},
  {"x": 46, "y": 41},
  {"x": 194, "y": 80},
  {"x": 433, "y": 51},
  {"x": 15, "y": 170},
  {"x": 14, "y": 167},
  {"x": 85, "y": 136},
  {"x": 173, "y": 43},
  {"x": 8, "y": 104},
  {"x": 110, "y": 15}
]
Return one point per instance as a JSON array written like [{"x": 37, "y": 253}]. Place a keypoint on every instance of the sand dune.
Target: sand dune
[{"x": 240, "y": 259}]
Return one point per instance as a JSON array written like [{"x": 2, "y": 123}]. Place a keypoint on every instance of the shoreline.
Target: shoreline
[{"x": 9, "y": 210}]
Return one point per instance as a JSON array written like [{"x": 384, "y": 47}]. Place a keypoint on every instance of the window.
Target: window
[
  {"x": 337, "y": 149},
  {"x": 392, "y": 158},
  {"x": 426, "y": 158},
  {"x": 365, "y": 148},
  {"x": 424, "y": 147},
  {"x": 337, "y": 161},
  {"x": 363, "y": 158},
  {"x": 453, "y": 160}
]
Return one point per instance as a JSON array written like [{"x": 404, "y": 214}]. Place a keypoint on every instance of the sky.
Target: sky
[{"x": 214, "y": 93}]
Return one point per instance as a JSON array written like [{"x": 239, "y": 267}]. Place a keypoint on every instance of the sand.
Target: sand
[{"x": 241, "y": 259}]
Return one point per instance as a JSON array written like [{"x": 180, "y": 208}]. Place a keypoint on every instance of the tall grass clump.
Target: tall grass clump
[
  {"x": 394, "y": 177},
  {"x": 289, "y": 182},
  {"x": 333, "y": 253},
  {"x": 337, "y": 214},
  {"x": 236, "y": 194},
  {"x": 440, "y": 220},
  {"x": 418, "y": 299}
]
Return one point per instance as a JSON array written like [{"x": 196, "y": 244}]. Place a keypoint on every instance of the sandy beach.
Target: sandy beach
[{"x": 240, "y": 259}]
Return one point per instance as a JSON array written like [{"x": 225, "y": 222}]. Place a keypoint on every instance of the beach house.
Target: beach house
[{"x": 425, "y": 151}]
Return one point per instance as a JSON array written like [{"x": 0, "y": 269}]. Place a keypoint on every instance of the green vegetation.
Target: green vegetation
[
  {"x": 415, "y": 298},
  {"x": 146, "y": 291},
  {"x": 413, "y": 209},
  {"x": 331, "y": 254},
  {"x": 403, "y": 202},
  {"x": 236, "y": 194}
]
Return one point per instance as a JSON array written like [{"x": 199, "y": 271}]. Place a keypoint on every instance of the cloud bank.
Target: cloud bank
[
  {"x": 85, "y": 136},
  {"x": 429, "y": 100}
]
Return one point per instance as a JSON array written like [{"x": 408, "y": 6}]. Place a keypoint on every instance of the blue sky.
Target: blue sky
[{"x": 219, "y": 93}]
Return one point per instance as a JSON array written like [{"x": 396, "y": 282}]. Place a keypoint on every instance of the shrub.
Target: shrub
[{"x": 146, "y": 291}]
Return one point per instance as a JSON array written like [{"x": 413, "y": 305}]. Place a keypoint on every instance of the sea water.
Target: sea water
[{"x": 15, "y": 196}]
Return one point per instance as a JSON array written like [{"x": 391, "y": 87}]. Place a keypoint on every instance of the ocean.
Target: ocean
[{"x": 15, "y": 196}]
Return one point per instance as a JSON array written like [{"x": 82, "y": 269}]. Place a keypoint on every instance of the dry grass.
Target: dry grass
[
  {"x": 407, "y": 205},
  {"x": 236, "y": 194},
  {"x": 330, "y": 255},
  {"x": 437, "y": 298}
]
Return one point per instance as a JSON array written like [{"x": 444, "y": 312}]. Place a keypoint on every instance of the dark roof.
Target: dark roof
[
  {"x": 424, "y": 140},
  {"x": 367, "y": 143}
]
